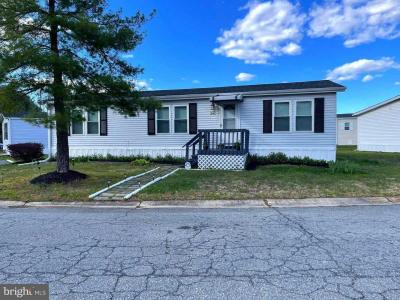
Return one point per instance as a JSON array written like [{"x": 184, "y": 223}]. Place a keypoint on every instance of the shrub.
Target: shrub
[
  {"x": 280, "y": 158},
  {"x": 140, "y": 162},
  {"x": 168, "y": 159},
  {"x": 26, "y": 152},
  {"x": 344, "y": 167}
]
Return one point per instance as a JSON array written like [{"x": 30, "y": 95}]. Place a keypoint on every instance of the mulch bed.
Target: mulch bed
[{"x": 55, "y": 177}]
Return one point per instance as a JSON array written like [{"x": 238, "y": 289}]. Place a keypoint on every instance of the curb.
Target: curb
[
  {"x": 258, "y": 203},
  {"x": 102, "y": 204},
  {"x": 203, "y": 204}
]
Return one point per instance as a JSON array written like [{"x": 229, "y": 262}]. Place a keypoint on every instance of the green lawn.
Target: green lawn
[
  {"x": 376, "y": 174},
  {"x": 3, "y": 156},
  {"x": 14, "y": 181}
]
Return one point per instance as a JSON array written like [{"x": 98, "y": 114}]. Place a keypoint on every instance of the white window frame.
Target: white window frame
[
  {"x": 344, "y": 126},
  {"x": 295, "y": 116},
  {"x": 290, "y": 116},
  {"x": 87, "y": 121},
  {"x": 174, "y": 118},
  {"x": 169, "y": 120},
  {"x": 83, "y": 127}
]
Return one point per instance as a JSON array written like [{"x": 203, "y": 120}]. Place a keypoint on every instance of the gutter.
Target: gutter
[{"x": 209, "y": 96}]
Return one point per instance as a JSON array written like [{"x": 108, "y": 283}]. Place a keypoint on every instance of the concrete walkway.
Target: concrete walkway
[
  {"x": 127, "y": 188},
  {"x": 266, "y": 203}
]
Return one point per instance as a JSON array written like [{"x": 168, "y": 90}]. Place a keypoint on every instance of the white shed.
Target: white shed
[
  {"x": 346, "y": 130},
  {"x": 379, "y": 127},
  {"x": 17, "y": 130}
]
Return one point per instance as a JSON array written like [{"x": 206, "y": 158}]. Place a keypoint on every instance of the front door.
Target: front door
[{"x": 229, "y": 117}]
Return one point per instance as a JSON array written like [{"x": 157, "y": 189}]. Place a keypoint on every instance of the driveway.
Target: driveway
[{"x": 297, "y": 253}]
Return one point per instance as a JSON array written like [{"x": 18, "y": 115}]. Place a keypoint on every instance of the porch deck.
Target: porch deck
[{"x": 221, "y": 142}]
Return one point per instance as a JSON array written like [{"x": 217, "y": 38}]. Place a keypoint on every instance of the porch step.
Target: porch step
[{"x": 127, "y": 188}]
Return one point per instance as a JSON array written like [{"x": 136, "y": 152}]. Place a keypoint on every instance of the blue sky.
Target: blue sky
[{"x": 210, "y": 42}]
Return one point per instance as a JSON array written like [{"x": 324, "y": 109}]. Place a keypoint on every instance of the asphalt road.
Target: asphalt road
[{"x": 310, "y": 253}]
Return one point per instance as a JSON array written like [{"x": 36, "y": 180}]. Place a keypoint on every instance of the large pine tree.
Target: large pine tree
[{"x": 67, "y": 54}]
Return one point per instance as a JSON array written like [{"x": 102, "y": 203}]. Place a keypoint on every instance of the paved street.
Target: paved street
[{"x": 296, "y": 253}]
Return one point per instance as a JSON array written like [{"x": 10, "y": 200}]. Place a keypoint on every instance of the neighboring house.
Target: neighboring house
[
  {"x": 379, "y": 127},
  {"x": 346, "y": 129},
  {"x": 298, "y": 119},
  {"x": 17, "y": 130}
]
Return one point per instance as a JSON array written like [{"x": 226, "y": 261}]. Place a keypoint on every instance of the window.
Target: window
[
  {"x": 281, "y": 116},
  {"x": 77, "y": 124},
  {"x": 303, "y": 116},
  {"x": 180, "y": 119},
  {"x": 229, "y": 117},
  {"x": 93, "y": 122},
  {"x": 347, "y": 126},
  {"x": 163, "y": 120},
  {"x": 5, "y": 131}
]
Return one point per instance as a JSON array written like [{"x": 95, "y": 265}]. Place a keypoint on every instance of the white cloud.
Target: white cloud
[
  {"x": 142, "y": 85},
  {"x": 358, "y": 21},
  {"x": 269, "y": 29},
  {"x": 243, "y": 77},
  {"x": 355, "y": 69},
  {"x": 196, "y": 81},
  {"x": 367, "y": 78},
  {"x": 397, "y": 83}
]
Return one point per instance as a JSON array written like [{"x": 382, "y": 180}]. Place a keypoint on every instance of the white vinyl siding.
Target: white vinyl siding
[
  {"x": 379, "y": 129},
  {"x": 294, "y": 143},
  {"x": 347, "y": 137},
  {"x": 22, "y": 131},
  {"x": 128, "y": 136}
]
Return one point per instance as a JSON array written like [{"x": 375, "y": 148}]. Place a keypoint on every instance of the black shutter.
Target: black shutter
[
  {"x": 103, "y": 122},
  {"x": 192, "y": 118},
  {"x": 267, "y": 116},
  {"x": 319, "y": 115},
  {"x": 151, "y": 122}
]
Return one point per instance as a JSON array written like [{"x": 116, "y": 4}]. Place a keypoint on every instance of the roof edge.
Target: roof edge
[
  {"x": 376, "y": 106},
  {"x": 290, "y": 87}
]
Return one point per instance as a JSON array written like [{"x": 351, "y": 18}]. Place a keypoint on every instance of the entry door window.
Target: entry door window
[{"x": 229, "y": 117}]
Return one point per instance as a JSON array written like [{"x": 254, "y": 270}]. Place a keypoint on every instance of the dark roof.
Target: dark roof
[
  {"x": 320, "y": 84},
  {"x": 345, "y": 115}
]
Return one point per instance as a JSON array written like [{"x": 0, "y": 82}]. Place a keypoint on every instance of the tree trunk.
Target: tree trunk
[
  {"x": 62, "y": 149},
  {"x": 62, "y": 122}
]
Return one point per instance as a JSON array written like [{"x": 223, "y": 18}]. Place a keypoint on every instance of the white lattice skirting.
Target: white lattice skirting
[{"x": 222, "y": 162}]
